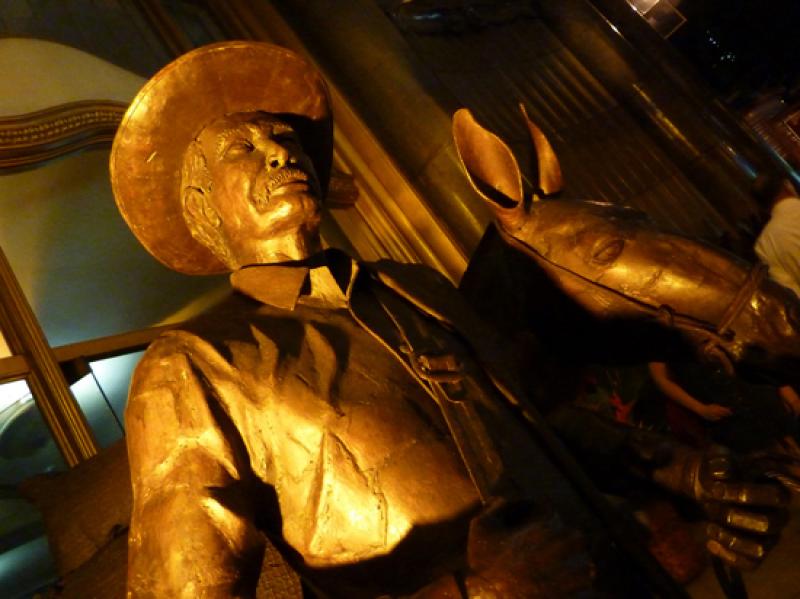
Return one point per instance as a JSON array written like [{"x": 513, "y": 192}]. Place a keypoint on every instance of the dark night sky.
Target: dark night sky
[{"x": 742, "y": 47}]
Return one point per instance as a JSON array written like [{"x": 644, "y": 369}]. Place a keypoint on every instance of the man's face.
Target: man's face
[{"x": 263, "y": 186}]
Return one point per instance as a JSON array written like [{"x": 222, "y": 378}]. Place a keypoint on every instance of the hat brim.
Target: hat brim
[{"x": 171, "y": 110}]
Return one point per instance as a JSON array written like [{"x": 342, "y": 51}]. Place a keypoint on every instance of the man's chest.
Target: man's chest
[{"x": 354, "y": 446}]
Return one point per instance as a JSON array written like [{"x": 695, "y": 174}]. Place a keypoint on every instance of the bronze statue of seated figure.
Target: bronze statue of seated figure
[{"x": 362, "y": 416}]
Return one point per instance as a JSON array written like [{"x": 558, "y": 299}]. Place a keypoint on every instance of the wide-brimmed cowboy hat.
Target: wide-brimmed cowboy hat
[{"x": 171, "y": 110}]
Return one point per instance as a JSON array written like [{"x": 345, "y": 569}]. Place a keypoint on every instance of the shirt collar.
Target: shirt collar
[{"x": 322, "y": 280}]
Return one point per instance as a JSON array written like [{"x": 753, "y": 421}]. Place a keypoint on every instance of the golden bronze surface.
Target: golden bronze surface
[
  {"x": 548, "y": 167},
  {"x": 616, "y": 264},
  {"x": 205, "y": 84},
  {"x": 255, "y": 157},
  {"x": 393, "y": 218},
  {"x": 342, "y": 410},
  {"x": 363, "y": 416},
  {"x": 611, "y": 264}
]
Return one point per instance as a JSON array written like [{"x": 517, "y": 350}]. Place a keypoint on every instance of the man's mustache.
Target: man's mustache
[
  {"x": 285, "y": 176},
  {"x": 269, "y": 183}
]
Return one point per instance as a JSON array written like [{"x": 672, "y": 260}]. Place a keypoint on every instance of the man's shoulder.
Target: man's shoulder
[
  {"x": 411, "y": 275},
  {"x": 200, "y": 334},
  {"x": 423, "y": 286},
  {"x": 177, "y": 346}
]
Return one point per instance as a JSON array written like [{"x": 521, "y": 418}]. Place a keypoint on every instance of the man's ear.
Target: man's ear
[
  {"x": 198, "y": 211},
  {"x": 205, "y": 224}
]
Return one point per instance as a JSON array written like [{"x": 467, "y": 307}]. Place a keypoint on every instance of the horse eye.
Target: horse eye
[{"x": 608, "y": 251}]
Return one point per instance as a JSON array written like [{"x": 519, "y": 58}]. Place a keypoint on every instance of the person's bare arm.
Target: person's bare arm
[
  {"x": 661, "y": 376},
  {"x": 190, "y": 531}
]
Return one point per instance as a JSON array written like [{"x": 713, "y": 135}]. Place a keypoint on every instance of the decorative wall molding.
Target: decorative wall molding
[{"x": 28, "y": 140}]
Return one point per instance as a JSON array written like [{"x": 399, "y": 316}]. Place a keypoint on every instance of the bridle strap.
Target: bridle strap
[
  {"x": 754, "y": 278},
  {"x": 714, "y": 336},
  {"x": 713, "y": 346}
]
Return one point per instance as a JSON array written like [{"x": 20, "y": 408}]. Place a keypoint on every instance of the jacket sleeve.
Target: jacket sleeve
[{"x": 192, "y": 532}]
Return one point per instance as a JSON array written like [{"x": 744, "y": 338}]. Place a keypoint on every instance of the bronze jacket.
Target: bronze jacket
[{"x": 301, "y": 413}]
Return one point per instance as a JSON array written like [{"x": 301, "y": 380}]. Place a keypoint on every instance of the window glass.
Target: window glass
[
  {"x": 26, "y": 449},
  {"x": 95, "y": 406},
  {"x": 102, "y": 392},
  {"x": 114, "y": 376}
]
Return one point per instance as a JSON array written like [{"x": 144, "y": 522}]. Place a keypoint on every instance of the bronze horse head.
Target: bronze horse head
[{"x": 611, "y": 267}]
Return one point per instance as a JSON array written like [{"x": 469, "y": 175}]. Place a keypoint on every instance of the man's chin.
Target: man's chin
[
  {"x": 294, "y": 188},
  {"x": 291, "y": 206},
  {"x": 302, "y": 222}
]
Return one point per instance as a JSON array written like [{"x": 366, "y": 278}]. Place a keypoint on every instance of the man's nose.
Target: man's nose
[{"x": 276, "y": 156}]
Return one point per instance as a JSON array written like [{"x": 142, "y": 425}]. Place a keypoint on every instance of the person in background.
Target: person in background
[
  {"x": 705, "y": 405},
  {"x": 666, "y": 383},
  {"x": 778, "y": 245}
]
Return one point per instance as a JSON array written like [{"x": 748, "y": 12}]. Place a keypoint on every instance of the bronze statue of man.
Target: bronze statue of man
[{"x": 356, "y": 414}]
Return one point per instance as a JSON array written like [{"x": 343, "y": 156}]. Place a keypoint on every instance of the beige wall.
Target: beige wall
[
  {"x": 38, "y": 74},
  {"x": 81, "y": 269}
]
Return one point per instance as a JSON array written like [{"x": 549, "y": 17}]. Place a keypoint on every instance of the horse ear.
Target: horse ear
[
  {"x": 548, "y": 167},
  {"x": 491, "y": 167}
]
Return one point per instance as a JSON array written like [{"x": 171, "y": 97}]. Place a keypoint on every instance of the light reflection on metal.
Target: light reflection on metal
[
  {"x": 391, "y": 219},
  {"x": 146, "y": 159},
  {"x": 642, "y": 6},
  {"x": 330, "y": 428},
  {"x": 319, "y": 408},
  {"x": 549, "y": 168}
]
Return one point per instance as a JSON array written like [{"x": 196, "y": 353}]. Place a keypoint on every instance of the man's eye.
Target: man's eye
[{"x": 239, "y": 148}]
